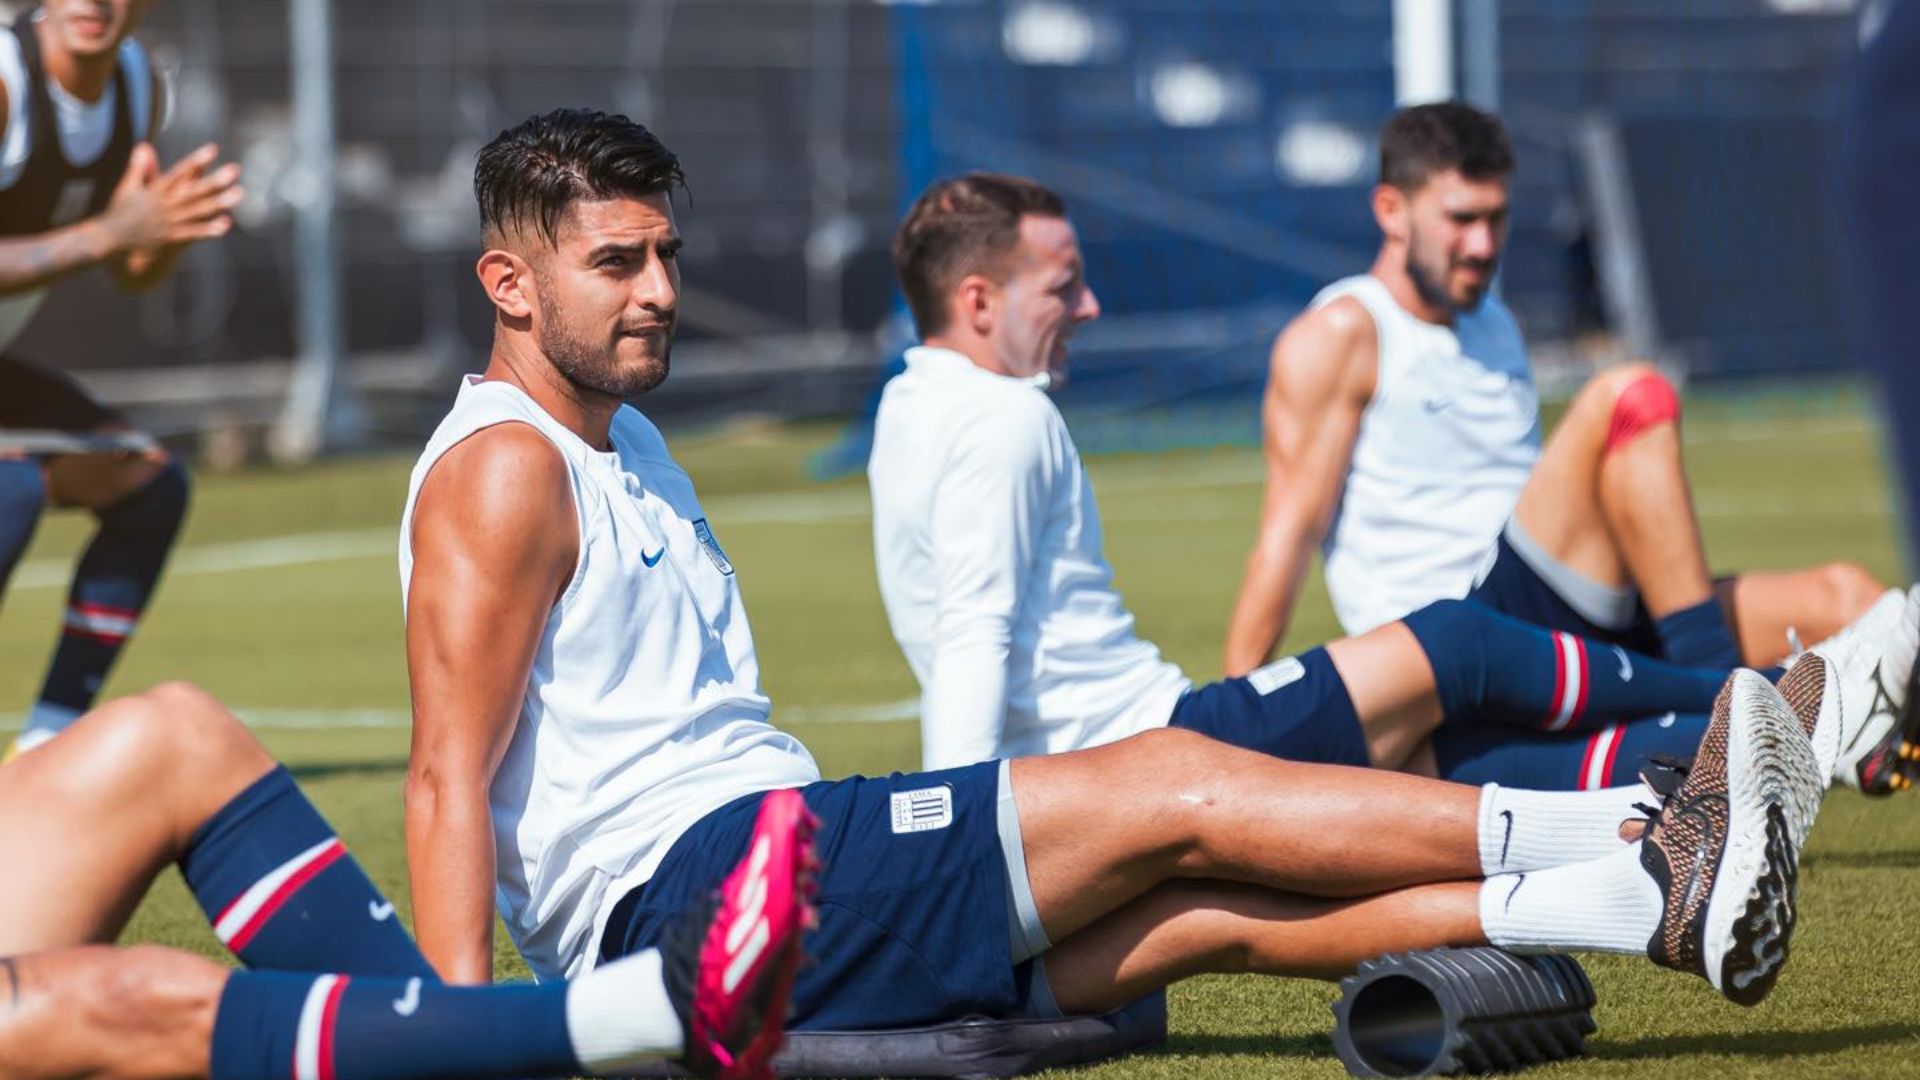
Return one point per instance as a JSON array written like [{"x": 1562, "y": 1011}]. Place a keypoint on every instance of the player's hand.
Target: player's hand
[{"x": 189, "y": 202}]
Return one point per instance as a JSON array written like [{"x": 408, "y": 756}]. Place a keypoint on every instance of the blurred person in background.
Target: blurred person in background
[
  {"x": 1402, "y": 434},
  {"x": 80, "y": 187}
]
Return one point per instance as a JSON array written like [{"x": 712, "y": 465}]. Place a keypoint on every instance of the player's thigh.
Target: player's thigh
[
  {"x": 1560, "y": 505},
  {"x": 96, "y": 481},
  {"x": 1810, "y": 605},
  {"x": 102, "y": 1011}
]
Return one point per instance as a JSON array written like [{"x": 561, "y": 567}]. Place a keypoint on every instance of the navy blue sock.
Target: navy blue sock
[
  {"x": 1567, "y": 761},
  {"x": 1698, "y": 636},
  {"x": 274, "y": 1025},
  {"x": 23, "y": 494},
  {"x": 282, "y": 892},
  {"x": 1491, "y": 667},
  {"x": 111, "y": 586}
]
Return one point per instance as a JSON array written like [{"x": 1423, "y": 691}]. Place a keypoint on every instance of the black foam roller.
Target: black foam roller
[{"x": 1449, "y": 1011}]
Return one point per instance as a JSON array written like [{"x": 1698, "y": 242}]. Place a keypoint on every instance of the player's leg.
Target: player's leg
[
  {"x": 171, "y": 776},
  {"x": 1770, "y": 611},
  {"x": 139, "y": 502},
  {"x": 1186, "y": 928},
  {"x": 106, "y": 1012},
  {"x": 1609, "y": 507},
  {"x": 1374, "y": 699},
  {"x": 1103, "y": 828},
  {"x": 23, "y": 495}
]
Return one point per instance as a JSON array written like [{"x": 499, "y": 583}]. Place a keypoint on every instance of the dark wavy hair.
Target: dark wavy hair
[
  {"x": 967, "y": 225},
  {"x": 531, "y": 172},
  {"x": 1423, "y": 140}
]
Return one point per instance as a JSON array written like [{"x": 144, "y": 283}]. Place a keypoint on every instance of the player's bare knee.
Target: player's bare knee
[
  {"x": 1848, "y": 590},
  {"x": 1638, "y": 399},
  {"x": 172, "y": 733}
]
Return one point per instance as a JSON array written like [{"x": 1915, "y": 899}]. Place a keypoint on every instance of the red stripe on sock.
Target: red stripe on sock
[
  {"x": 284, "y": 893},
  {"x": 1586, "y": 679},
  {"x": 1613, "y": 755},
  {"x": 1559, "y": 683},
  {"x": 328, "y": 1018},
  {"x": 1586, "y": 761}
]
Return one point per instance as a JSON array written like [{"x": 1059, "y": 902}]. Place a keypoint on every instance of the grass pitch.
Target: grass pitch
[{"x": 283, "y": 600}]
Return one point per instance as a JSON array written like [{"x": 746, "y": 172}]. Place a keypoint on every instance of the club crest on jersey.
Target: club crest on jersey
[
  {"x": 705, "y": 533},
  {"x": 922, "y": 810}
]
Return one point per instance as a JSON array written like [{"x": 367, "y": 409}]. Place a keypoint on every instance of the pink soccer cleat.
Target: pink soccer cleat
[{"x": 735, "y": 974}]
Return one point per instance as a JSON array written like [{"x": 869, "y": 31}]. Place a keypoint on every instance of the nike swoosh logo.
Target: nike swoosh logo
[
  {"x": 1435, "y": 405},
  {"x": 1521, "y": 880},
  {"x": 650, "y": 560},
  {"x": 1508, "y": 838},
  {"x": 381, "y": 910},
  {"x": 1626, "y": 664},
  {"x": 408, "y": 1003}
]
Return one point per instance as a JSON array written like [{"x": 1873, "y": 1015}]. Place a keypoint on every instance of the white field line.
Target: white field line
[{"x": 322, "y": 719}]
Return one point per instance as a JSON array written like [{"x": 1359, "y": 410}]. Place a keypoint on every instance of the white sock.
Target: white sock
[
  {"x": 45, "y": 721},
  {"x": 1603, "y": 905},
  {"x": 1533, "y": 830},
  {"x": 618, "y": 1015}
]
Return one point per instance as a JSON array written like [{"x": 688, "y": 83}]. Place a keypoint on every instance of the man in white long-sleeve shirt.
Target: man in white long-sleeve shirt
[{"x": 988, "y": 543}]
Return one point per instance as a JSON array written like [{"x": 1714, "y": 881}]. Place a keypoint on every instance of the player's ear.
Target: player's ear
[
  {"x": 1390, "y": 211},
  {"x": 508, "y": 282},
  {"x": 974, "y": 302}
]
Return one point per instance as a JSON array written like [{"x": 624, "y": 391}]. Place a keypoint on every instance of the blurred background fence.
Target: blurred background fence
[{"x": 1216, "y": 155}]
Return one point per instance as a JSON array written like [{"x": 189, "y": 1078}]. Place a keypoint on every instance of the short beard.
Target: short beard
[
  {"x": 590, "y": 369},
  {"x": 1433, "y": 293}
]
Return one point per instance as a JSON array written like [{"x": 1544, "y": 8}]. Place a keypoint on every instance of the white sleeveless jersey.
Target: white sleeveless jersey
[
  {"x": 643, "y": 710},
  {"x": 988, "y": 545},
  {"x": 1444, "y": 448},
  {"x": 85, "y": 129}
]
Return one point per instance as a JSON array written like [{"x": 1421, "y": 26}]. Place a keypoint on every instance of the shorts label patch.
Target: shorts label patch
[
  {"x": 923, "y": 810},
  {"x": 1282, "y": 672},
  {"x": 705, "y": 533}
]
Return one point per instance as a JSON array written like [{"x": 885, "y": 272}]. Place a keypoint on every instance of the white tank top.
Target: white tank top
[
  {"x": 643, "y": 711},
  {"x": 1445, "y": 446},
  {"x": 85, "y": 129}
]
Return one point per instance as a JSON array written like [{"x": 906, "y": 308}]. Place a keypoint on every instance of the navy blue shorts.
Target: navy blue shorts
[
  {"x": 1512, "y": 587},
  {"x": 35, "y": 397},
  {"x": 913, "y": 924},
  {"x": 1296, "y": 708}
]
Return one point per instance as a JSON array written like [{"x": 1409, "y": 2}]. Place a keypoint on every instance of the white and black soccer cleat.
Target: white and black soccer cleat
[
  {"x": 1855, "y": 695},
  {"x": 1724, "y": 846}
]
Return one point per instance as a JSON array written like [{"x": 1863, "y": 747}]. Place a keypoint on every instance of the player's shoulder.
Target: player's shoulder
[
  {"x": 1332, "y": 343},
  {"x": 500, "y": 470}
]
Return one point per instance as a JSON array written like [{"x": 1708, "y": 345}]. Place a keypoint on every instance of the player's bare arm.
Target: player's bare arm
[
  {"x": 1321, "y": 376},
  {"x": 494, "y": 545}
]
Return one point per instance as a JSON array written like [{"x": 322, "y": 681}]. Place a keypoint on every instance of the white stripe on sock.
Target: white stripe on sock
[
  {"x": 238, "y": 913},
  {"x": 313, "y": 1015},
  {"x": 1570, "y": 693}
]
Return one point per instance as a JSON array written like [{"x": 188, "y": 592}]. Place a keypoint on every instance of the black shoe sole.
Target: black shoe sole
[{"x": 1765, "y": 929}]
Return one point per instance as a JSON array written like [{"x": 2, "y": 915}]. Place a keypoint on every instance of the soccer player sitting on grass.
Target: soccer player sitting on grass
[
  {"x": 989, "y": 548},
  {"x": 590, "y": 737},
  {"x": 333, "y": 986},
  {"x": 1402, "y": 436}
]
